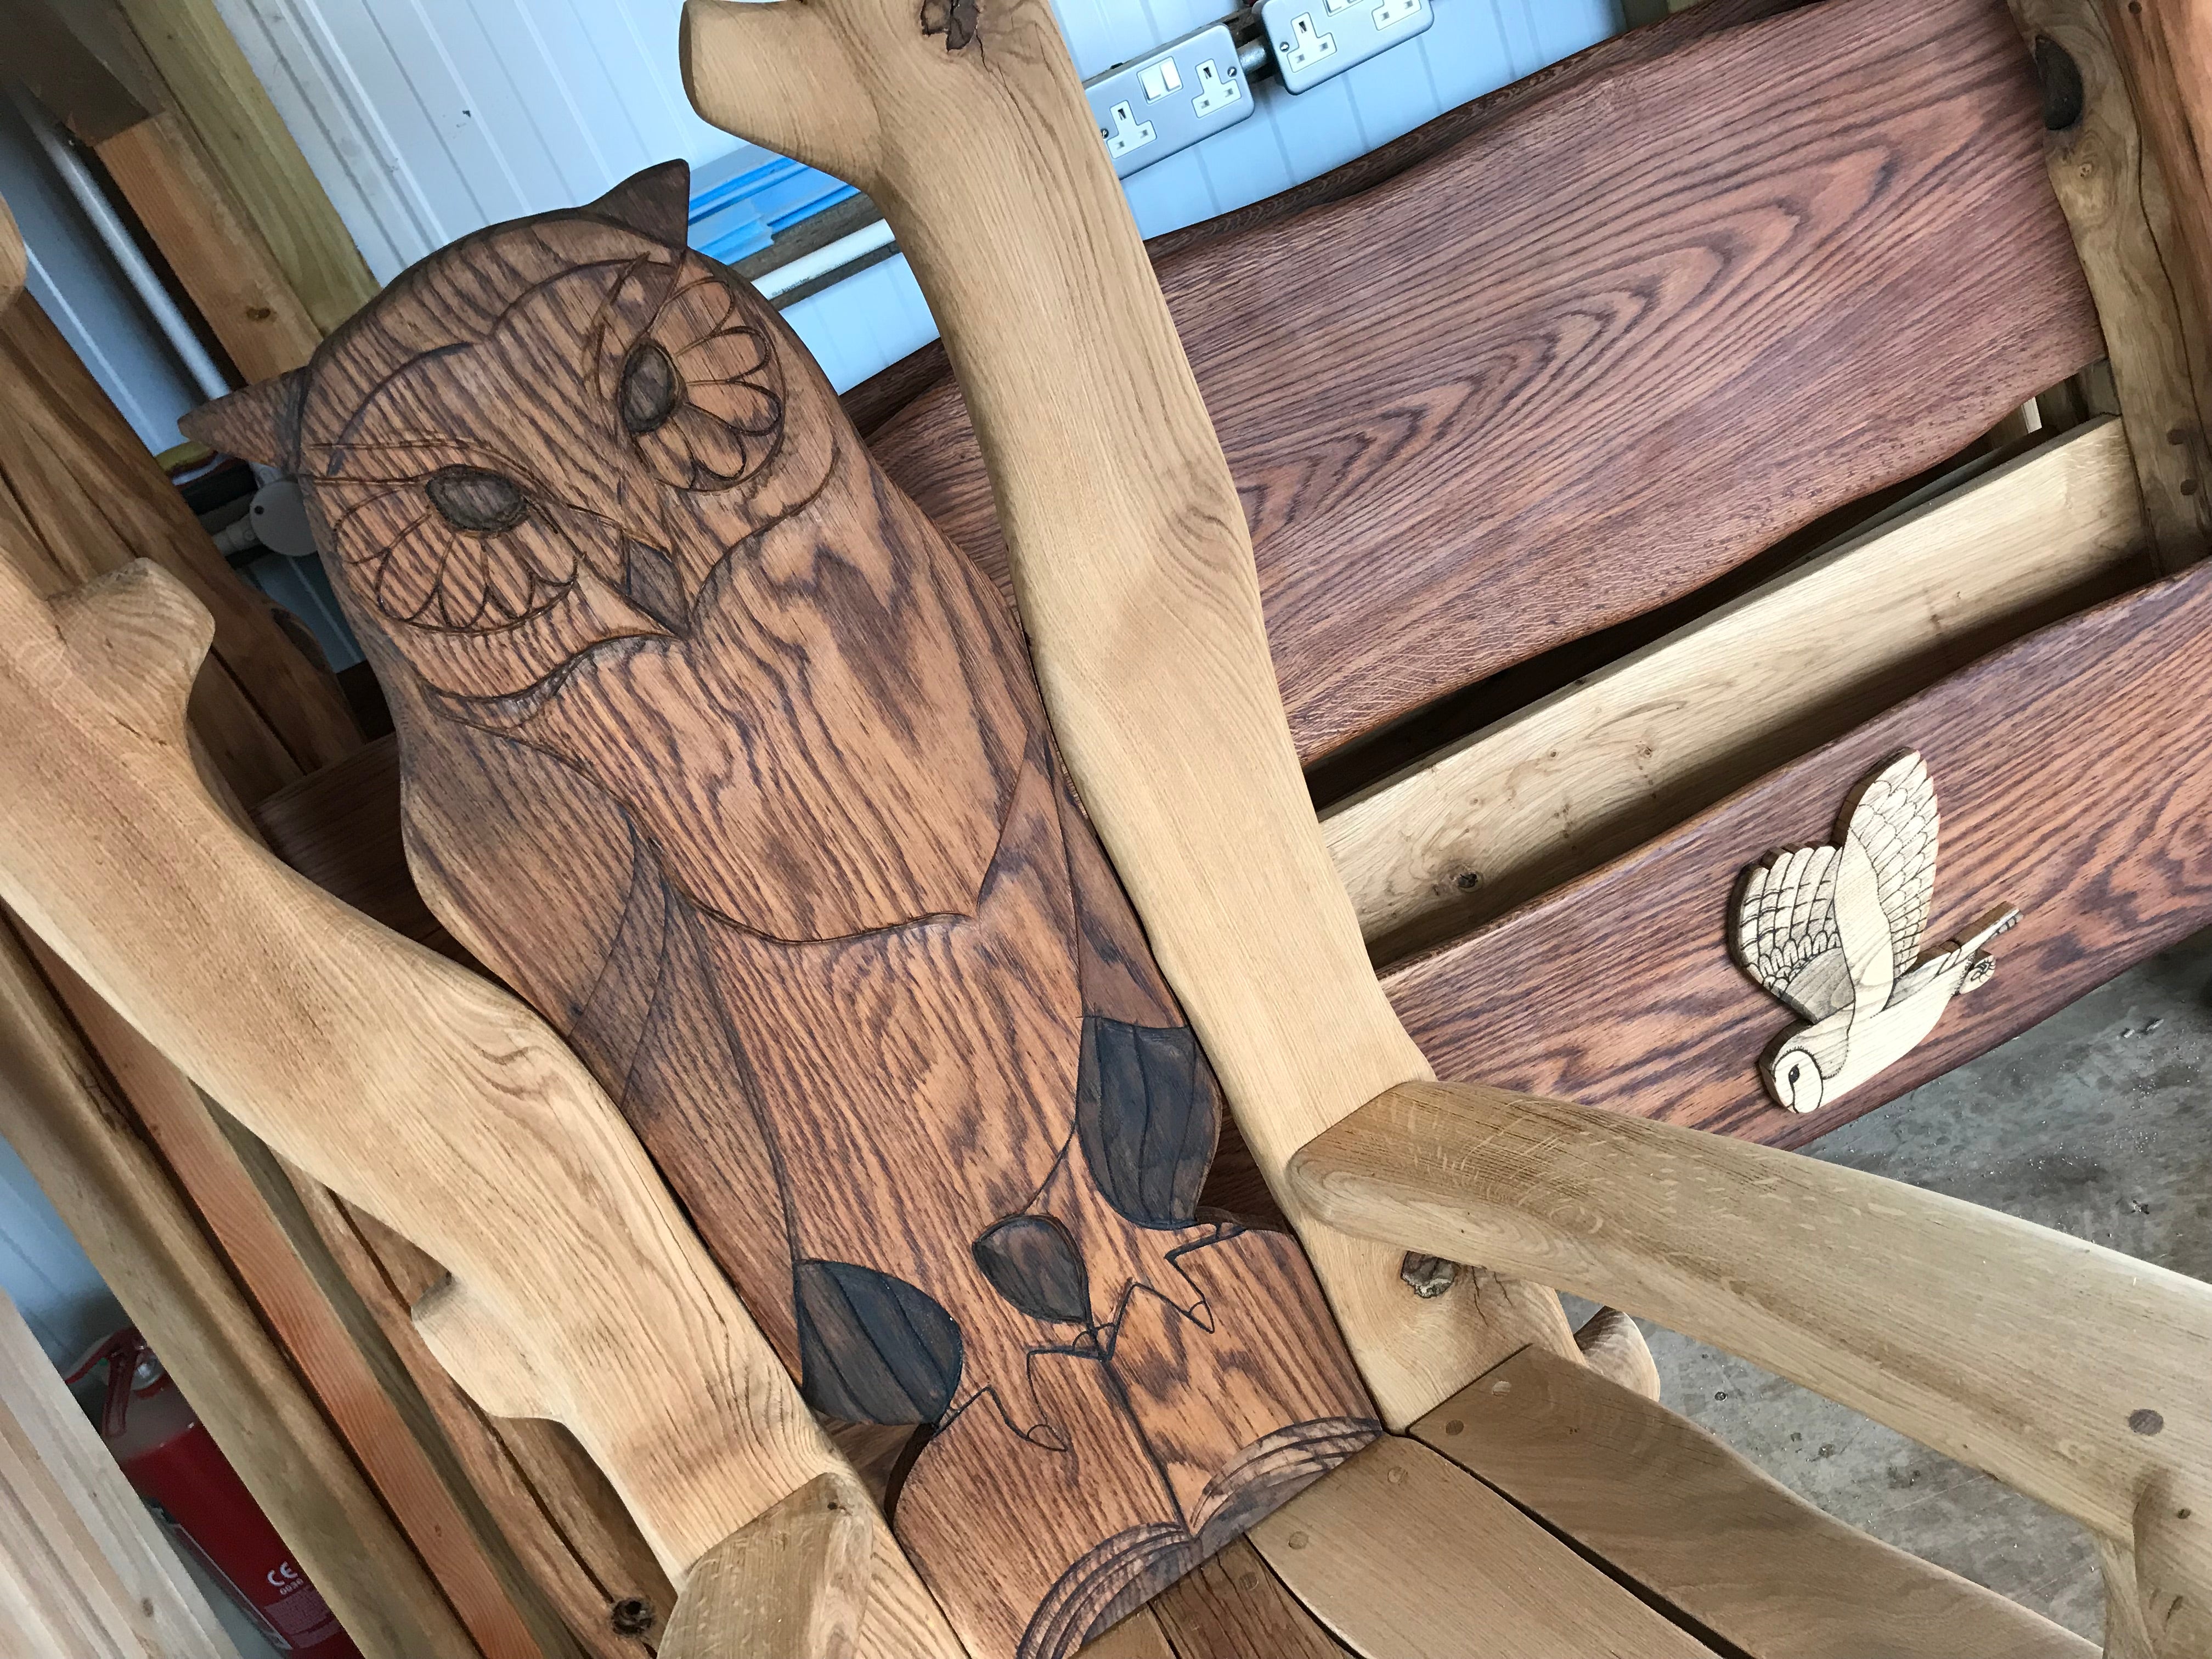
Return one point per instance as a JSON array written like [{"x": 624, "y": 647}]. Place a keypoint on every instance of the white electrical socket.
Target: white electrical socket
[{"x": 1160, "y": 85}]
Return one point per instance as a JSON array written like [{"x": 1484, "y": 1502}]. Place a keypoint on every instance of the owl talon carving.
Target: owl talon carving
[{"x": 1832, "y": 932}]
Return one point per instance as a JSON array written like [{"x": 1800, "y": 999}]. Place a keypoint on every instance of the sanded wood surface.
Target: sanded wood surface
[
  {"x": 2165, "y": 49},
  {"x": 1694, "y": 1522},
  {"x": 1592, "y": 770},
  {"x": 2067, "y": 1370},
  {"x": 1132, "y": 565},
  {"x": 85, "y": 1572},
  {"x": 576, "y": 1291},
  {"x": 1234, "y": 1608},
  {"x": 1404, "y": 1556},
  {"x": 1532, "y": 354},
  {"x": 2073, "y": 770},
  {"x": 760, "y": 806},
  {"x": 792, "y": 1584},
  {"x": 2124, "y": 219},
  {"x": 61, "y": 1112}
]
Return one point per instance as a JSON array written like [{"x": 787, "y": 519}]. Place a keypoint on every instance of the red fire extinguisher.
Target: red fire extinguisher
[{"x": 173, "y": 1463}]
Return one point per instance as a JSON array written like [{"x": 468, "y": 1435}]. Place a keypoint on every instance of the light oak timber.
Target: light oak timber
[
  {"x": 246, "y": 143},
  {"x": 2067, "y": 1370},
  {"x": 1615, "y": 1350},
  {"x": 394, "y": 1077},
  {"x": 370, "y": 1405},
  {"x": 1404, "y": 1556},
  {"x": 1530, "y": 356},
  {"x": 13, "y": 261},
  {"x": 2072, "y": 783},
  {"x": 2117, "y": 202},
  {"x": 63, "y": 1115},
  {"x": 792, "y": 866},
  {"x": 1133, "y": 569},
  {"x": 2165, "y": 49},
  {"x": 85, "y": 1572},
  {"x": 790, "y": 1584},
  {"x": 1657, "y": 1499},
  {"x": 94, "y": 500},
  {"x": 1137, "y": 1637},
  {"x": 1594, "y": 769}
]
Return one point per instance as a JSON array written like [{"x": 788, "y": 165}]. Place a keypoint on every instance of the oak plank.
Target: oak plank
[
  {"x": 2070, "y": 1372},
  {"x": 1234, "y": 1607},
  {"x": 2121, "y": 210},
  {"x": 1404, "y": 1556},
  {"x": 2073, "y": 782},
  {"x": 62, "y": 1114},
  {"x": 1588, "y": 772},
  {"x": 2165, "y": 49},
  {"x": 1660, "y": 1499},
  {"x": 1135, "y": 575},
  {"x": 84, "y": 1570},
  {"x": 1540, "y": 354},
  {"x": 792, "y": 1584},
  {"x": 764, "y": 815}
]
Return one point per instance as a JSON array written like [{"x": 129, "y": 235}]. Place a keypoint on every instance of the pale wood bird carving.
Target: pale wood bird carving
[{"x": 1833, "y": 932}]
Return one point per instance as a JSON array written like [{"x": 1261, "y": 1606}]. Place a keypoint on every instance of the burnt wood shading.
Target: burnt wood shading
[
  {"x": 717, "y": 752},
  {"x": 1815, "y": 255}
]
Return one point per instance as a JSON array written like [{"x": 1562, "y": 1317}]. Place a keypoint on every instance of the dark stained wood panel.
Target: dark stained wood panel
[
  {"x": 728, "y": 762},
  {"x": 1609, "y": 345},
  {"x": 2073, "y": 770}
]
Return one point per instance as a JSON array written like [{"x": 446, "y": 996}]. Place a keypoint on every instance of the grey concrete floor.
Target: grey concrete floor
[{"x": 2096, "y": 1123}]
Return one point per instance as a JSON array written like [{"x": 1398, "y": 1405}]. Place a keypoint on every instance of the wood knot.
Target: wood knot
[
  {"x": 2146, "y": 1421},
  {"x": 958, "y": 21},
  {"x": 631, "y": 1616}
]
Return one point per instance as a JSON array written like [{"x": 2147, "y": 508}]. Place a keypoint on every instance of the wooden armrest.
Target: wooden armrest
[
  {"x": 428, "y": 1096},
  {"x": 2073, "y": 1373}
]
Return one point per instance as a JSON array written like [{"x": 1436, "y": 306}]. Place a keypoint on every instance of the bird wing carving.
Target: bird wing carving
[
  {"x": 1785, "y": 935},
  {"x": 1895, "y": 823}
]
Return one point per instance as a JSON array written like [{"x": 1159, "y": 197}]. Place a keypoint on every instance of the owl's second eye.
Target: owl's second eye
[
  {"x": 471, "y": 498},
  {"x": 650, "y": 386}
]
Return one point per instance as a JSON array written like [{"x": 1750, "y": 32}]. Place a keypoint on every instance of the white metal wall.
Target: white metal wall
[{"x": 426, "y": 119}]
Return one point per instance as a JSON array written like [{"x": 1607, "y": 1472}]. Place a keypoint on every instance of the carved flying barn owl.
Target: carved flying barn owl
[
  {"x": 725, "y": 760},
  {"x": 1833, "y": 932}
]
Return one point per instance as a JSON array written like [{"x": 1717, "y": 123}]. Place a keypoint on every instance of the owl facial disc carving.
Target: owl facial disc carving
[{"x": 1834, "y": 933}]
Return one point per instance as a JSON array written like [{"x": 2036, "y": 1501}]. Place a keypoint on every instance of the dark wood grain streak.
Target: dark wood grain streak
[
  {"x": 733, "y": 767},
  {"x": 2073, "y": 770},
  {"x": 883, "y": 394},
  {"x": 1534, "y": 384}
]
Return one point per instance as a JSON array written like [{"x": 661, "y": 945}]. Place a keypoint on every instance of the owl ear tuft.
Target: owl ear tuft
[
  {"x": 656, "y": 202},
  {"x": 261, "y": 423}
]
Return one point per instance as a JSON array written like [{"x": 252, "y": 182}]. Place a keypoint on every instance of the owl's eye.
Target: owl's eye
[
  {"x": 650, "y": 386},
  {"x": 471, "y": 498}
]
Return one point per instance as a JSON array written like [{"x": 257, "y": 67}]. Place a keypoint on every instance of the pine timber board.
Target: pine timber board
[
  {"x": 1533, "y": 385},
  {"x": 2073, "y": 772},
  {"x": 1592, "y": 770},
  {"x": 738, "y": 772},
  {"x": 1714, "y": 1536}
]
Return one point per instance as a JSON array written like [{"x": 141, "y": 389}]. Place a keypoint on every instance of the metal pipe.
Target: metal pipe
[{"x": 122, "y": 247}]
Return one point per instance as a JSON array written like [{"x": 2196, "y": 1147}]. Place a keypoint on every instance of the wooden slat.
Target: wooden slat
[
  {"x": 85, "y": 1572},
  {"x": 1406, "y": 1556},
  {"x": 60, "y": 1112},
  {"x": 1658, "y": 1498},
  {"x": 249, "y": 147},
  {"x": 2072, "y": 772},
  {"x": 2067, "y": 1370},
  {"x": 2122, "y": 216},
  {"x": 1598, "y": 767},
  {"x": 792, "y": 1584},
  {"x": 1234, "y": 1608},
  {"x": 1533, "y": 355},
  {"x": 2165, "y": 50},
  {"x": 376, "y": 1410}
]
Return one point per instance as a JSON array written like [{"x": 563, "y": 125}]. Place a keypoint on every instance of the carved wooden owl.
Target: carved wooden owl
[{"x": 731, "y": 766}]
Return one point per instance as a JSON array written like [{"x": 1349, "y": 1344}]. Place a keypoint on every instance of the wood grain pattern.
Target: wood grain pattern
[
  {"x": 716, "y": 751},
  {"x": 1600, "y": 357},
  {"x": 1133, "y": 568},
  {"x": 2123, "y": 214},
  {"x": 62, "y": 1113},
  {"x": 1613, "y": 1348},
  {"x": 2075, "y": 782},
  {"x": 792, "y": 1584},
  {"x": 576, "y": 1289},
  {"x": 85, "y": 1572},
  {"x": 1234, "y": 1608},
  {"x": 1404, "y": 1556},
  {"x": 2165, "y": 49},
  {"x": 1658, "y": 1498},
  {"x": 2067, "y": 1370},
  {"x": 1592, "y": 771}
]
